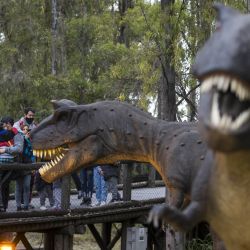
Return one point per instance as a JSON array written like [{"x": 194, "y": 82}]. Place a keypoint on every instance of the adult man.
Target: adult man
[{"x": 27, "y": 120}]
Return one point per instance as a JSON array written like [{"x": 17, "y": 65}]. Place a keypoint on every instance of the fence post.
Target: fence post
[
  {"x": 151, "y": 176},
  {"x": 61, "y": 241},
  {"x": 65, "y": 198},
  {"x": 127, "y": 188}
]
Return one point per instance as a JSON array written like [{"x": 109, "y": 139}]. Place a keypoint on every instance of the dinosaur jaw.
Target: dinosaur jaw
[
  {"x": 62, "y": 160},
  {"x": 225, "y": 112}
]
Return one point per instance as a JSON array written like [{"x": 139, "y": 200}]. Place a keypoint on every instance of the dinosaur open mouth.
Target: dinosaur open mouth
[
  {"x": 230, "y": 106},
  {"x": 55, "y": 155}
]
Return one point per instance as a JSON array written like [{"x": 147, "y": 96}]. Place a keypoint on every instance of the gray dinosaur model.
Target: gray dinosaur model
[
  {"x": 220, "y": 193},
  {"x": 77, "y": 136},
  {"x": 105, "y": 132}
]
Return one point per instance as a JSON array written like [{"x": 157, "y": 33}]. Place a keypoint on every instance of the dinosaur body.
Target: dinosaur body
[
  {"x": 220, "y": 193},
  {"x": 110, "y": 131},
  {"x": 220, "y": 183}
]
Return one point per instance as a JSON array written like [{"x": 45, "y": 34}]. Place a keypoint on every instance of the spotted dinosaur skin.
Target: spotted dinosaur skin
[
  {"x": 111, "y": 131},
  {"x": 220, "y": 192}
]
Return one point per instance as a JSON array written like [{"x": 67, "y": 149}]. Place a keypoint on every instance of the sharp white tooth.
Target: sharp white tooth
[
  {"x": 49, "y": 152},
  {"x": 46, "y": 168},
  {"x": 226, "y": 82},
  {"x": 206, "y": 85},
  {"x": 241, "y": 119},
  {"x": 53, "y": 151},
  {"x": 220, "y": 81},
  {"x": 58, "y": 158},
  {"x": 55, "y": 161},
  {"x": 41, "y": 171},
  {"x": 233, "y": 85},
  {"x": 61, "y": 156},
  {"x": 52, "y": 163},
  {"x": 45, "y": 153},
  {"x": 215, "y": 115},
  {"x": 225, "y": 122},
  {"x": 34, "y": 152}
]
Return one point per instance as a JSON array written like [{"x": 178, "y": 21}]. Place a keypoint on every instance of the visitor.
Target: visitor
[
  {"x": 22, "y": 192},
  {"x": 27, "y": 119},
  {"x": 6, "y": 140},
  {"x": 57, "y": 193},
  {"x": 15, "y": 149},
  {"x": 110, "y": 174},
  {"x": 100, "y": 187},
  {"x": 77, "y": 182},
  {"x": 44, "y": 190},
  {"x": 86, "y": 177}
]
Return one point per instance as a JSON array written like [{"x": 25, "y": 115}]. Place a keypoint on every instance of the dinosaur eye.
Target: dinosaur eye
[
  {"x": 63, "y": 117},
  {"x": 63, "y": 121}
]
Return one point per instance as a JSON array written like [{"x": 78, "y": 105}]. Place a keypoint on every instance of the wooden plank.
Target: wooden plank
[
  {"x": 49, "y": 240},
  {"x": 106, "y": 233},
  {"x": 125, "y": 225},
  {"x": 97, "y": 236},
  {"x": 127, "y": 180},
  {"x": 151, "y": 176},
  {"x": 65, "y": 198},
  {"x": 26, "y": 242},
  {"x": 115, "y": 239}
]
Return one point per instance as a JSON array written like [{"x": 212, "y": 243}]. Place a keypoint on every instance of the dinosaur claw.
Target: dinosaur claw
[
  {"x": 156, "y": 215},
  {"x": 156, "y": 221}
]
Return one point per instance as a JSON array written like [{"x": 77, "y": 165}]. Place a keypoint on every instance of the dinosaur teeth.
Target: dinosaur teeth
[
  {"x": 223, "y": 83},
  {"x": 225, "y": 122},
  {"x": 215, "y": 115},
  {"x": 207, "y": 85}
]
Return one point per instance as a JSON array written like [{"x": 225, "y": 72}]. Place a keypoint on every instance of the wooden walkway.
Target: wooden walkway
[{"x": 59, "y": 226}]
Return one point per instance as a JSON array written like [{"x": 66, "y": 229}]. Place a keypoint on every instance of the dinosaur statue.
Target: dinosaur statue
[
  {"x": 77, "y": 136},
  {"x": 220, "y": 193}
]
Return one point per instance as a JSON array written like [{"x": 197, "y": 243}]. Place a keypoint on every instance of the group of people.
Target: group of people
[
  {"x": 16, "y": 146},
  {"x": 104, "y": 179}
]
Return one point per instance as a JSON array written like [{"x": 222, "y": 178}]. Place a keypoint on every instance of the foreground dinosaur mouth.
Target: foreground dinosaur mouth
[
  {"x": 230, "y": 107},
  {"x": 55, "y": 154}
]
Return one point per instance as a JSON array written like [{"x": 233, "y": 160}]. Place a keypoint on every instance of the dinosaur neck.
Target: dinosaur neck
[{"x": 137, "y": 136}]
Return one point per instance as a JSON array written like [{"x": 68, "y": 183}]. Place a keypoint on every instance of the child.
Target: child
[
  {"x": 44, "y": 190},
  {"x": 57, "y": 193}
]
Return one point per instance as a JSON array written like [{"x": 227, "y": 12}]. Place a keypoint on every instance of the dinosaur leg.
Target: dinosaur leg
[{"x": 195, "y": 212}]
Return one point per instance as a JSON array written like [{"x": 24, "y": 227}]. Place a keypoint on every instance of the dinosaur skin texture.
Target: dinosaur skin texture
[
  {"x": 106, "y": 132},
  {"x": 220, "y": 193}
]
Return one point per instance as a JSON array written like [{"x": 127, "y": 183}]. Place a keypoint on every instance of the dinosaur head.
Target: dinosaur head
[
  {"x": 222, "y": 66},
  {"x": 70, "y": 137}
]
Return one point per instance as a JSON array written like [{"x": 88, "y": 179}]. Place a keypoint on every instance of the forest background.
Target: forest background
[{"x": 88, "y": 50}]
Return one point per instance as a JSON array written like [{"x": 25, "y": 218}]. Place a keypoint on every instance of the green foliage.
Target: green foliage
[
  {"x": 198, "y": 244},
  {"x": 92, "y": 63}
]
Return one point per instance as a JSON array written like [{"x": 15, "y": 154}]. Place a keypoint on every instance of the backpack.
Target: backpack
[{"x": 27, "y": 155}]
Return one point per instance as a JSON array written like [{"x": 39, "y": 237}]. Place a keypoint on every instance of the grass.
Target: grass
[{"x": 198, "y": 244}]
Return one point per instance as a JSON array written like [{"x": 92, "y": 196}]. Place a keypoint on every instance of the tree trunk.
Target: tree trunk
[
  {"x": 123, "y": 7},
  {"x": 167, "y": 96},
  {"x": 54, "y": 33}
]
